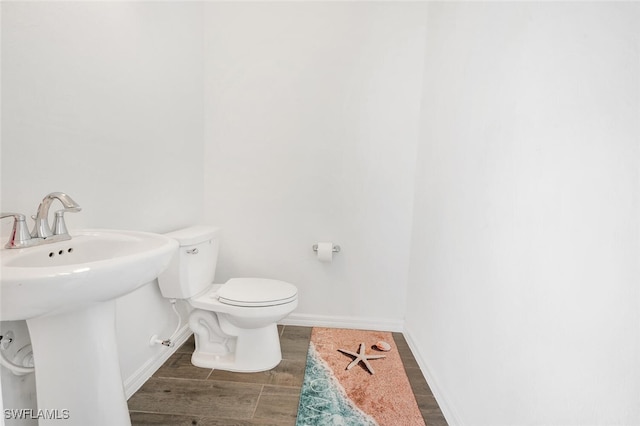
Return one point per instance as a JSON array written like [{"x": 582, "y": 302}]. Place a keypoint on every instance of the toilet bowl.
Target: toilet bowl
[{"x": 234, "y": 323}]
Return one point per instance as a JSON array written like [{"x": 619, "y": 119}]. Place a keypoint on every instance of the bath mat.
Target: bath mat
[{"x": 339, "y": 389}]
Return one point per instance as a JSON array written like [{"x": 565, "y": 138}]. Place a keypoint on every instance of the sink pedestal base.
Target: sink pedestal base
[{"x": 77, "y": 368}]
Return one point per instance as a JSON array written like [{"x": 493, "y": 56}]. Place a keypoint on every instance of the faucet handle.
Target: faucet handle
[
  {"x": 59, "y": 226},
  {"x": 20, "y": 232}
]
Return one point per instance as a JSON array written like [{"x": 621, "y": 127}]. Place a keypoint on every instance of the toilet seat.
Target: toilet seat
[{"x": 256, "y": 292}]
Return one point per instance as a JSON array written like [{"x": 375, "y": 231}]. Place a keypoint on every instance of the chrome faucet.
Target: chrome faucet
[
  {"x": 42, "y": 233},
  {"x": 41, "y": 228}
]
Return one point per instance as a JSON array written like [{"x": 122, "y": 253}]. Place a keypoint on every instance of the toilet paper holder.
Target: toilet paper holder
[{"x": 336, "y": 249}]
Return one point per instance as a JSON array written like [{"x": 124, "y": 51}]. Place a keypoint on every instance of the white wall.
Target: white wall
[
  {"x": 523, "y": 297},
  {"x": 311, "y": 113},
  {"x": 103, "y": 100}
]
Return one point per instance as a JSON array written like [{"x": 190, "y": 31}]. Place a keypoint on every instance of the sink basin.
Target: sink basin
[
  {"x": 66, "y": 292},
  {"x": 94, "y": 266}
]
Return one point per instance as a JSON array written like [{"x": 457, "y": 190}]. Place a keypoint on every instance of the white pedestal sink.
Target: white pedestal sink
[{"x": 66, "y": 292}]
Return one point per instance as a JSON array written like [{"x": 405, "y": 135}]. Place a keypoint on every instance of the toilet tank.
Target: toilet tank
[{"x": 194, "y": 266}]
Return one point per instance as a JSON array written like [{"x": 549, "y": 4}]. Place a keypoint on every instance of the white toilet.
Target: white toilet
[{"x": 234, "y": 323}]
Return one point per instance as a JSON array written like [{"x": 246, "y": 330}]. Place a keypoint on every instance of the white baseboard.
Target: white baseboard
[
  {"x": 357, "y": 323},
  {"x": 142, "y": 374},
  {"x": 447, "y": 410}
]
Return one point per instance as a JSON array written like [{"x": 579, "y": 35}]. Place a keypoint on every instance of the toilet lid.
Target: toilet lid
[{"x": 256, "y": 292}]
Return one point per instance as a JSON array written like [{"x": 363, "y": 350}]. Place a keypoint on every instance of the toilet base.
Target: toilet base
[{"x": 242, "y": 350}]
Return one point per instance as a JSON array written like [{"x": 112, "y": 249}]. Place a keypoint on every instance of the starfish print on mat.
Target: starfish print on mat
[{"x": 361, "y": 356}]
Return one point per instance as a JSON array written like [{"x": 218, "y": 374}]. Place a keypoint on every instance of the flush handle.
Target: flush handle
[{"x": 193, "y": 251}]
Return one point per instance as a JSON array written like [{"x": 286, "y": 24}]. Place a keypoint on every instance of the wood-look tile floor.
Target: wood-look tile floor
[{"x": 180, "y": 394}]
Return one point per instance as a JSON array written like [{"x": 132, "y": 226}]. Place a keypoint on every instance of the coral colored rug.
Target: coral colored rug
[{"x": 333, "y": 395}]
